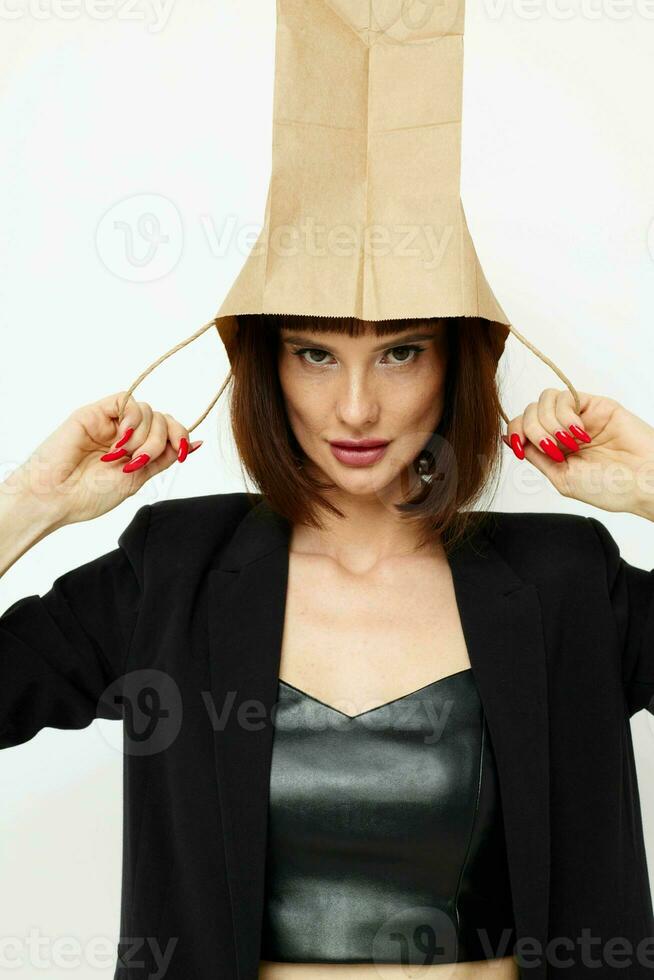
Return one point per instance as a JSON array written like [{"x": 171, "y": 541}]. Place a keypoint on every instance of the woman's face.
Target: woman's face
[{"x": 339, "y": 389}]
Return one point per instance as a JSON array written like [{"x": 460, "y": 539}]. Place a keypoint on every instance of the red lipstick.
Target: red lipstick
[{"x": 358, "y": 452}]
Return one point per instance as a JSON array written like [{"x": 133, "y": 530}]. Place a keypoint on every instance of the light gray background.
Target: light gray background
[{"x": 111, "y": 112}]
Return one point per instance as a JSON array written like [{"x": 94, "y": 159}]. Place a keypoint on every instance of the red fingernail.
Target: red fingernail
[
  {"x": 136, "y": 463},
  {"x": 516, "y": 446},
  {"x": 552, "y": 450},
  {"x": 580, "y": 433},
  {"x": 195, "y": 445},
  {"x": 567, "y": 440},
  {"x": 124, "y": 438},
  {"x": 183, "y": 450},
  {"x": 108, "y": 457}
]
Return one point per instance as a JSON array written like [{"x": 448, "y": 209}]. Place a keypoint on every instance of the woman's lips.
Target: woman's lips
[{"x": 358, "y": 457}]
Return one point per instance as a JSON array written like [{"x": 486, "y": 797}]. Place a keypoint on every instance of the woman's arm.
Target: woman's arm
[
  {"x": 60, "y": 652},
  {"x": 645, "y": 504},
  {"x": 23, "y": 522},
  {"x": 609, "y": 464},
  {"x": 631, "y": 591}
]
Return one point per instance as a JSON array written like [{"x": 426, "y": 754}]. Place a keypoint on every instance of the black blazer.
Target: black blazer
[{"x": 178, "y": 631}]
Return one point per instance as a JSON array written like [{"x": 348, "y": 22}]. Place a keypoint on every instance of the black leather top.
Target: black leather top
[{"x": 385, "y": 834}]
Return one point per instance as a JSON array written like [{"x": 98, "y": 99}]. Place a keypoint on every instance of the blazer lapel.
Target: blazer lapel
[
  {"x": 501, "y": 618},
  {"x": 247, "y": 599},
  {"x": 502, "y": 625}
]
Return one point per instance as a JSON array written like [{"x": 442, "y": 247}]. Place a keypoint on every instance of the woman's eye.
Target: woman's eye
[
  {"x": 310, "y": 351},
  {"x": 406, "y": 349},
  {"x": 402, "y": 354}
]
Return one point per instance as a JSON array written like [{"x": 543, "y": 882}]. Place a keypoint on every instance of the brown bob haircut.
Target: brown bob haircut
[{"x": 463, "y": 454}]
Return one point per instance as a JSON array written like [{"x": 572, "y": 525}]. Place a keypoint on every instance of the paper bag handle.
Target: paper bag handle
[{"x": 212, "y": 323}]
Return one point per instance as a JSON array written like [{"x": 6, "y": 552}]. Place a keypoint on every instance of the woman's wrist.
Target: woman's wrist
[
  {"x": 645, "y": 507},
  {"x": 24, "y": 520}
]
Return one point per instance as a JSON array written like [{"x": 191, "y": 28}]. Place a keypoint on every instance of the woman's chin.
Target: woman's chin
[{"x": 381, "y": 481}]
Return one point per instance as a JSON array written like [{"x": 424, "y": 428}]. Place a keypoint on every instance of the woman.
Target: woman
[{"x": 359, "y": 583}]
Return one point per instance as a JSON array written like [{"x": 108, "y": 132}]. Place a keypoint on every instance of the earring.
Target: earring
[{"x": 423, "y": 468}]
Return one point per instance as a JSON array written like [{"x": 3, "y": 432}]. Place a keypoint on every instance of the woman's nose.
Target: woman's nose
[{"x": 357, "y": 401}]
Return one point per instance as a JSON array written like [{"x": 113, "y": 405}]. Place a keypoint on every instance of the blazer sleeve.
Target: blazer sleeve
[
  {"x": 59, "y": 652},
  {"x": 631, "y": 592}
]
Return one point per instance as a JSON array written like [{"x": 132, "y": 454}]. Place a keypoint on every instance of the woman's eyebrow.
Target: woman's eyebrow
[{"x": 389, "y": 342}]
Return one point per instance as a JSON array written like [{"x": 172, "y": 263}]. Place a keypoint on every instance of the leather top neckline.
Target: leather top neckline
[{"x": 379, "y": 707}]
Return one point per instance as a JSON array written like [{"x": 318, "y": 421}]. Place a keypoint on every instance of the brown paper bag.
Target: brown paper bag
[{"x": 364, "y": 216}]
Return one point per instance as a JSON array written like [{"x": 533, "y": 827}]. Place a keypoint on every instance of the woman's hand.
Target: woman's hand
[
  {"x": 78, "y": 472},
  {"x": 607, "y": 460}
]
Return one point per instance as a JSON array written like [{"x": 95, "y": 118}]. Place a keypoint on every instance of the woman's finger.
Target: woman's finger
[
  {"x": 515, "y": 437},
  {"x": 178, "y": 437},
  {"x": 568, "y": 418},
  {"x": 552, "y": 417},
  {"x": 550, "y": 404},
  {"x": 99, "y": 418},
  {"x": 536, "y": 431},
  {"x": 153, "y": 445},
  {"x": 558, "y": 417},
  {"x": 137, "y": 429}
]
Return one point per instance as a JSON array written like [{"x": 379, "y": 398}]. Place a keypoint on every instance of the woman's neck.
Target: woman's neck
[{"x": 370, "y": 532}]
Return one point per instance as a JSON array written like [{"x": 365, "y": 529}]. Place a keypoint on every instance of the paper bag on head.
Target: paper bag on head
[{"x": 363, "y": 216}]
